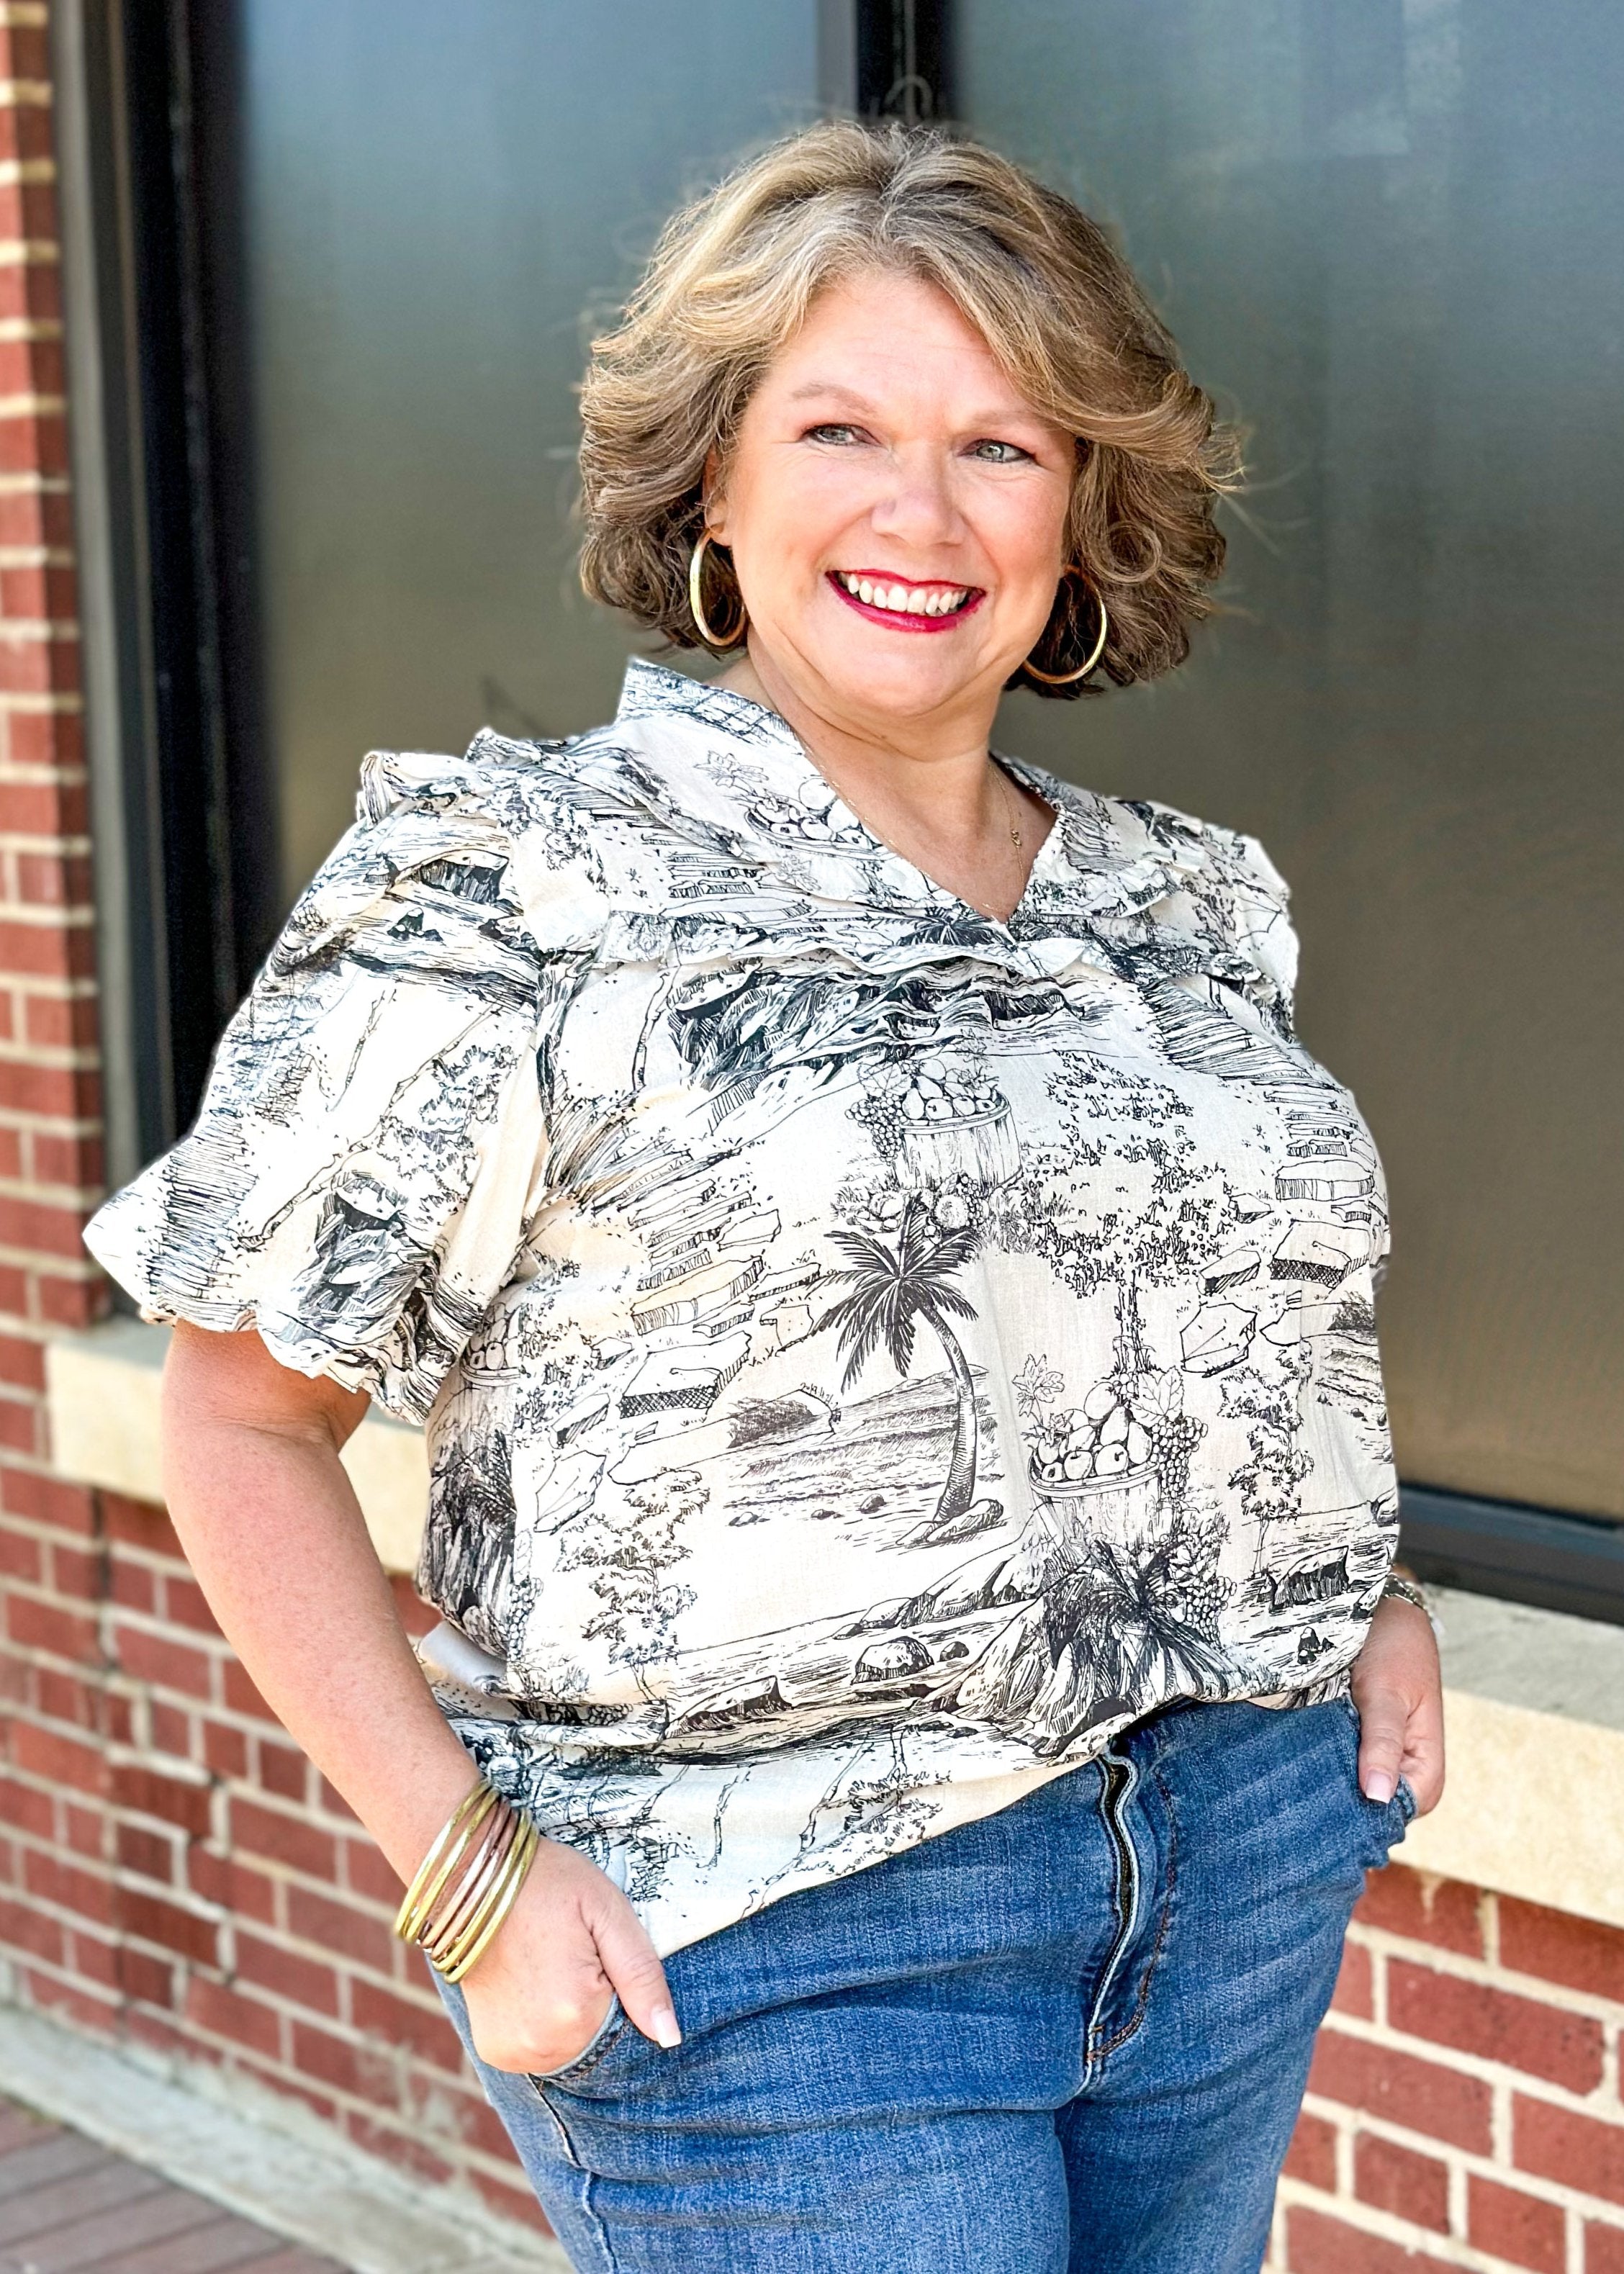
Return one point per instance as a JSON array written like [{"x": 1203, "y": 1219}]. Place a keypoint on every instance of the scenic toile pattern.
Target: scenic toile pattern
[{"x": 869, "y": 1352}]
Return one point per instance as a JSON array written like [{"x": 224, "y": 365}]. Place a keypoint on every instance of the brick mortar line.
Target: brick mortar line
[
  {"x": 50, "y": 1058},
  {"x": 33, "y": 403},
  {"x": 46, "y": 844},
  {"x": 1602, "y": 2105},
  {"x": 70, "y": 918},
  {"x": 35, "y": 556},
  {"x": 1357, "y": 2120},
  {"x": 1487, "y": 1973},
  {"x": 1406, "y": 2234}
]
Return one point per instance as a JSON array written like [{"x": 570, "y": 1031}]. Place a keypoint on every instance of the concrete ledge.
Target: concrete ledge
[
  {"x": 260, "y": 2155},
  {"x": 101, "y": 1395},
  {"x": 1535, "y": 1804}
]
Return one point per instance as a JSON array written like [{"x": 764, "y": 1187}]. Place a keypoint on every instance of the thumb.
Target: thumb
[
  {"x": 629, "y": 1960},
  {"x": 1383, "y": 1721}
]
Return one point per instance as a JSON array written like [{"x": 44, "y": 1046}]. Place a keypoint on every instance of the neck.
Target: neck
[{"x": 928, "y": 777}]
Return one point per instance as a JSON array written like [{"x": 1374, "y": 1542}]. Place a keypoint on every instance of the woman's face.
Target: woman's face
[{"x": 896, "y": 512}]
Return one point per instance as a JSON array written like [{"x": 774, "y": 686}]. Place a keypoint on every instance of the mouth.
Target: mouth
[{"x": 903, "y": 606}]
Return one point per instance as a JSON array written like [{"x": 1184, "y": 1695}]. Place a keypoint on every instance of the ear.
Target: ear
[{"x": 714, "y": 497}]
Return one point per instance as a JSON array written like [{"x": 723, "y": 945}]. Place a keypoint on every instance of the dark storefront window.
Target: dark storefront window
[{"x": 1386, "y": 236}]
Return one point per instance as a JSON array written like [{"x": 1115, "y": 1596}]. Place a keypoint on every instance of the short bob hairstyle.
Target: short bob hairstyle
[{"x": 731, "y": 281}]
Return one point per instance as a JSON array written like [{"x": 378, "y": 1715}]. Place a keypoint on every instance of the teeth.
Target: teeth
[{"x": 906, "y": 599}]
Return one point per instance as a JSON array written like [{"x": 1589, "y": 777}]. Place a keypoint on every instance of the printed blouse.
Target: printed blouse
[{"x": 869, "y": 1352}]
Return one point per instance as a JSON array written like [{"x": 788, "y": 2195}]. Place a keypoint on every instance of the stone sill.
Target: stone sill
[{"x": 1535, "y": 1806}]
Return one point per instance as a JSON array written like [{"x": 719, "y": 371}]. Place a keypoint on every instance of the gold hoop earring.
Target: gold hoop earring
[
  {"x": 1068, "y": 678},
  {"x": 720, "y": 641}
]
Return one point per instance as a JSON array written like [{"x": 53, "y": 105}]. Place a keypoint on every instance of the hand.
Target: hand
[
  {"x": 1398, "y": 1688},
  {"x": 539, "y": 1995}
]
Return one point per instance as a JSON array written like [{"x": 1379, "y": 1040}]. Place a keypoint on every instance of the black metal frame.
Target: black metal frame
[
  {"x": 180, "y": 805},
  {"x": 158, "y": 347},
  {"x": 1556, "y": 1561}
]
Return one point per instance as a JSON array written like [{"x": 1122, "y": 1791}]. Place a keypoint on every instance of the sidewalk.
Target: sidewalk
[{"x": 69, "y": 2207}]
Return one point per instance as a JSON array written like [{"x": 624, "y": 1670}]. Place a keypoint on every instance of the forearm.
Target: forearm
[{"x": 271, "y": 1526}]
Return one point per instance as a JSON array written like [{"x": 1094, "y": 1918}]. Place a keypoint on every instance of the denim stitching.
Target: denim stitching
[{"x": 1157, "y": 1947}]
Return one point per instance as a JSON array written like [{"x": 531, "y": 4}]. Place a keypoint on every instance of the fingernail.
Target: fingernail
[
  {"x": 665, "y": 2030},
  {"x": 1380, "y": 1786}
]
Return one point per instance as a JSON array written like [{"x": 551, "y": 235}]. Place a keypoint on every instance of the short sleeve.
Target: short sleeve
[
  {"x": 357, "y": 1183},
  {"x": 1263, "y": 922}
]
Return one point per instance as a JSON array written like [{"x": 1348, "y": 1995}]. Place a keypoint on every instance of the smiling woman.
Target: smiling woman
[{"x": 888, "y": 1292}]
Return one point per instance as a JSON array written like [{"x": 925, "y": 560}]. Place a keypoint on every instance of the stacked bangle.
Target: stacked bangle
[{"x": 467, "y": 1884}]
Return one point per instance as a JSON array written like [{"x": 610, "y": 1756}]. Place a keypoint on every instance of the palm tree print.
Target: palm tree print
[{"x": 893, "y": 1289}]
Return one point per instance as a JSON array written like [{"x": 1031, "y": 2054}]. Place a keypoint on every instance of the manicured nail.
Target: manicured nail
[
  {"x": 1379, "y": 1786},
  {"x": 665, "y": 2030}
]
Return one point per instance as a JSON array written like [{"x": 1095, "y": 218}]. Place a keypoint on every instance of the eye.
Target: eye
[
  {"x": 1000, "y": 454},
  {"x": 837, "y": 435}
]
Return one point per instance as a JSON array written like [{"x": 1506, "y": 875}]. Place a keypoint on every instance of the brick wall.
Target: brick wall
[
  {"x": 172, "y": 1871},
  {"x": 1464, "y": 2107}
]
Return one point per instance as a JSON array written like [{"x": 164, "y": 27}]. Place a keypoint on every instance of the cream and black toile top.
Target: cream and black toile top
[{"x": 869, "y": 1352}]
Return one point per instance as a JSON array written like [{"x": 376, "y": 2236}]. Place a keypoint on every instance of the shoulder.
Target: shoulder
[
  {"x": 509, "y": 825},
  {"x": 1226, "y": 879}
]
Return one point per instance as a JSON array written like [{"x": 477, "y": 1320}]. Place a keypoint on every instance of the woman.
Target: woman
[{"x": 890, "y": 1299}]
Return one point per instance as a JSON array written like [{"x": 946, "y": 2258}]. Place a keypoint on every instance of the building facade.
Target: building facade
[{"x": 290, "y": 300}]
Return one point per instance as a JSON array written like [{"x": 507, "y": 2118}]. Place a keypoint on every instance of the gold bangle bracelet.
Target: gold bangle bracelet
[
  {"x": 493, "y": 1905},
  {"x": 525, "y": 1850},
  {"x": 420, "y": 1895},
  {"x": 465, "y": 1899},
  {"x": 471, "y": 1831}
]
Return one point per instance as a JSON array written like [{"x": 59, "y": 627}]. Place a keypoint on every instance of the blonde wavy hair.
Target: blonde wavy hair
[{"x": 731, "y": 281}]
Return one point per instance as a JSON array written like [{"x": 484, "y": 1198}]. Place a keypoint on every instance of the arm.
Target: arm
[
  {"x": 1398, "y": 1689},
  {"x": 270, "y": 1523}
]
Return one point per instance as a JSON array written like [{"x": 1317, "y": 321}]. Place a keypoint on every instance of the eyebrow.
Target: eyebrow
[{"x": 836, "y": 390}]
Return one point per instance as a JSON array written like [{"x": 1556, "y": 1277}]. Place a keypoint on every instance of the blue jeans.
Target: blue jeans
[{"x": 1072, "y": 2035}]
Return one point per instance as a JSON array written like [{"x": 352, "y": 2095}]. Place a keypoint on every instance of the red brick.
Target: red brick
[
  {"x": 77, "y": 1571},
  {"x": 341, "y": 2063},
  {"x": 143, "y": 1523},
  {"x": 74, "y": 1162},
  {"x": 144, "y": 1976},
  {"x": 1424, "y": 1909},
  {"x": 236, "y": 1886},
  {"x": 243, "y": 1697},
  {"x": 151, "y": 1919},
  {"x": 332, "y": 1802},
  {"x": 302, "y": 1981},
  {"x": 53, "y": 1880},
  {"x": 225, "y": 2013},
  {"x": 150, "y": 1853},
  {"x": 1391, "y": 2178},
  {"x": 1603, "y": 2249},
  {"x": 1567, "y": 2049},
  {"x": 22, "y": 1426},
  {"x": 1354, "y": 1991},
  {"x": 149, "y": 1791},
  {"x": 131, "y": 1583},
  {"x": 341, "y": 1928},
  {"x": 62, "y": 1759},
  {"x": 38, "y": 1623},
  {"x": 1421, "y": 2095},
  {"x": 1320, "y": 2244},
  {"x": 85, "y": 2010},
  {"x": 225, "y": 1749},
  {"x": 171, "y": 1729},
  {"x": 22, "y": 1363},
  {"x": 45, "y": 809},
  {"x": 284, "y": 1770},
  {"x": 20, "y": 1556},
  {"x": 167, "y": 1664},
  {"x": 288, "y": 1838},
  {"x": 1559, "y": 1948},
  {"x": 63, "y": 1696},
  {"x": 1312, "y": 2156},
  {"x": 24, "y": 1928},
  {"x": 64, "y": 1300},
  {"x": 24, "y": 1808},
  {"x": 1508, "y": 2224},
  {"x": 185, "y": 1602},
  {"x": 400, "y": 2020},
  {"x": 366, "y": 1873},
  {"x": 59, "y": 1022},
  {"x": 47, "y": 1499},
  {"x": 85, "y": 1831},
  {"x": 516, "y": 2203},
  {"x": 1558, "y": 2144}
]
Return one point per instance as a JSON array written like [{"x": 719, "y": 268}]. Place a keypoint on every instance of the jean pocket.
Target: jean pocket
[
  {"x": 587, "y": 2059},
  {"x": 1405, "y": 1801}
]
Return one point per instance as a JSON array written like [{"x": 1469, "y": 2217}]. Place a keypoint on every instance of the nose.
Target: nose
[{"x": 919, "y": 506}]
